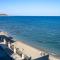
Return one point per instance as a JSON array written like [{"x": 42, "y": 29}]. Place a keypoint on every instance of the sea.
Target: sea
[{"x": 42, "y": 32}]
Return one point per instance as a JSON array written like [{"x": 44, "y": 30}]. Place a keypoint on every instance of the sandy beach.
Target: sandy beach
[
  {"x": 31, "y": 51},
  {"x": 28, "y": 50}
]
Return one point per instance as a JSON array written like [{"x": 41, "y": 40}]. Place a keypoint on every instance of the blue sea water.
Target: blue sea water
[{"x": 39, "y": 31}]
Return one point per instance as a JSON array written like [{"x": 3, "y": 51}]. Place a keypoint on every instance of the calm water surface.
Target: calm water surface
[{"x": 38, "y": 31}]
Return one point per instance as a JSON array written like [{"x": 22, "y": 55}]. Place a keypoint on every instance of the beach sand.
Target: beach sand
[
  {"x": 28, "y": 50},
  {"x": 31, "y": 51}
]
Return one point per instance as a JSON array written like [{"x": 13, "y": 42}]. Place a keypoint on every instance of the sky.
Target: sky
[{"x": 30, "y": 7}]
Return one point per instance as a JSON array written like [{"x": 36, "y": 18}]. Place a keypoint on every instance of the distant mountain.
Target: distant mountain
[{"x": 3, "y": 14}]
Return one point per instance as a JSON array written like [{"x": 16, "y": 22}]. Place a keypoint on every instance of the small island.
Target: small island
[{"x": 3, "y": 14}]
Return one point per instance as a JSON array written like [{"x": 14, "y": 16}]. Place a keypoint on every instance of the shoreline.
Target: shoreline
[
  {"x": 50, "y": 55},
  {"x": 41, "y": 49},
  {"x": 29, "y": 50}
]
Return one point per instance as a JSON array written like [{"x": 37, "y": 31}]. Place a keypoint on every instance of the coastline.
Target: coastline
[
  {"x": 29, "y": 50},
  {"x": 22, "y": 44}
]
